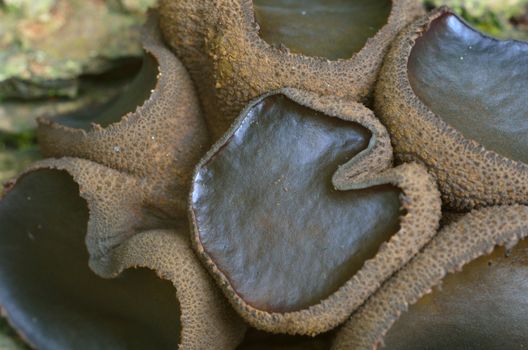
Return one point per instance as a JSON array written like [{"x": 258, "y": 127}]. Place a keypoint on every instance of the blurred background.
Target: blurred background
[{"x": 59, "y": 56}]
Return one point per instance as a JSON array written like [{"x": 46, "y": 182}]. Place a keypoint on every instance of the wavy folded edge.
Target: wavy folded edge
[
  {"x": 469, "y": 175},
  {"x": 420, "y": 200},
  {"x": 161, "y": 140},
  {"x": 471, "y": 236},
  {"x": 219, "y": 42},
  {"x": 207, "y": 320}
]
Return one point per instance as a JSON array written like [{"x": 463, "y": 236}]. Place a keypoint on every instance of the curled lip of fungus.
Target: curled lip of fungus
[
  {"x": 293, "y": 254},
  {"x": 113, "y": 199},
  {"x": 455, "y": 100},
  {"x": 482, "y": 303},
  {"x": 152, "y": 149},
  {"x": 231, "y": 62}
]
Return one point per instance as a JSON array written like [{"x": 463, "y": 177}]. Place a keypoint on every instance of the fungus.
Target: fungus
[
  {"x": 133, "y": 95},
  {"x": 454, "y": 99},
  {"x": 332, "y": 29},
  {"x": 292, "y": 254},
  {"x": 482, "y": 304},
  {"x": 153, "y": 148},
  {"x": 47, "y": 290},
  {"x": 133, "y": 176},
  {"x": 297, "y": 212},
  {"x": 231, "y": 63}
]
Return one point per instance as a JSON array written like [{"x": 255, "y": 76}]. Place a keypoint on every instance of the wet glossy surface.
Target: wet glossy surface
[
  {"x": 48, "y": 290},
  {"x": 475, "y": 83},
  {"x": 134, "y": 95},
  {"x": 269, "y": 216},
  {"x": 325, "y": 28},
  {"x": 484, "y": 307}
]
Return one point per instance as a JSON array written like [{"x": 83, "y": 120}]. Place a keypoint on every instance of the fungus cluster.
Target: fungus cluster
[{"x": 281, "y": 217}]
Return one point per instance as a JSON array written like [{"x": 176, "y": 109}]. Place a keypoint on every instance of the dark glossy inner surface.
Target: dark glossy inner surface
[
  {"x": 325, "y": 28},
  {"x": 484, "y": 307},
  {"x": 269, "y": 217},
  {"x": 475, "y": 83},
  {"x": 51, "y": 295},
  {"x": 134, "y": 95},
  {"x": 258, "y": 340}
]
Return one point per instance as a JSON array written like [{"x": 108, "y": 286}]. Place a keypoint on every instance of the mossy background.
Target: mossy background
[
  {"x": 58, "y": 56},
  {"x": 499, "y": 18}
]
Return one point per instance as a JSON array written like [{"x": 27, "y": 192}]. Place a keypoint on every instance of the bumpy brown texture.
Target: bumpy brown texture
[
  {"x": 160, "y": 141},
  {"x": 134, "y": 175},
  {"x": 455, "y": 245},
  {"x": 152, "y": 150},
  {"x": 219, "y": 43},
  {"x": 468, "y": 175},
  {"x": 207, "y": 321},
  {"x": 420, "y": 201}
]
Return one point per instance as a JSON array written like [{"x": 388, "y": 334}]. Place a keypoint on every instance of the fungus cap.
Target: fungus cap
[
  {"x": 454, "y": 99},
  {"x": 152, "y": 149},
  {"x": 231, "y": 64},
  {"x": 153, "y": 130},
  {"x": 157, "y": 296},
  {"x": 292, "y": 254},
  {"x": 484, "y": 306},
  {"x": 133, "y": 175}
]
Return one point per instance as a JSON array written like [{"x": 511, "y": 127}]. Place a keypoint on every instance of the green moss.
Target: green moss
[
  {"x": 46, "y": 44},
  {"x": 17, "y": 151},
  {"x": 490, "y": 16},
  {"x": 9, "y": 339}
]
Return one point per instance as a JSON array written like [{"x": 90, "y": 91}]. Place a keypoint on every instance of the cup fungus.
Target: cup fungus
[
  {"x": 148, "y": 141},
  {"x": 455, "y": 99},
  {"x": 292, "y": 254},
  {"x": 296, "y": 212},
  {"x": 118, "y": 192},
  {"x": 231, "y": 62},
  {"x": 483, "y": 304},
  {"x": 334, "y": 29},
  {"x": 47, "y": 290}
]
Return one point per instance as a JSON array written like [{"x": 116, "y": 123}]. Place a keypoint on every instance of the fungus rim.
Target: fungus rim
[
  {"x": 413, "y": 181},
  {"x": 169, "y": 242},
  {"x": 396, "y": 103},
  {"x": 254, "y": 39},
  {"x": 222, "y": 55},
  {"x": 423, "y": 27},
  {"x": 371, "y": 322},
  {"x": 152, "y": 46}
]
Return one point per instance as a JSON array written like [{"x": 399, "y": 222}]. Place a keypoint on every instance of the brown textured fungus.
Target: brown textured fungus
[
  {"x": 219, "y": 42},
  {"x": 47, "y": 290},
  {"x": 55, "y": 301},
  {"x": 134, "y": 175},
  {"x": 482, "y": 305},
  {"x": 293, "y": 254},
  {"x": 455, "y": 100},
  {"x": 152, "y": 150}
]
